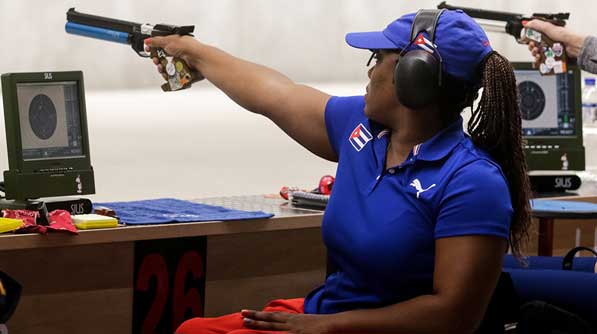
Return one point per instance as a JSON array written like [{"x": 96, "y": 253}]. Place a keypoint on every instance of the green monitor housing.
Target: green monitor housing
[
  {"x": 46, "y": 135},
  {"x": 551, "y": 118}
]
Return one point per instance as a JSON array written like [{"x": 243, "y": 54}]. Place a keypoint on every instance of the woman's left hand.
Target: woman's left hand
[{"x": 288, "y": 322}]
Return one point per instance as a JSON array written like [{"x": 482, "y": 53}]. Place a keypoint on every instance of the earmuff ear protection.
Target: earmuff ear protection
[{"x": 418, "y": 73}]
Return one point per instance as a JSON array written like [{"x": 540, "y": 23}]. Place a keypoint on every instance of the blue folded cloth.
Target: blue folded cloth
[{"x": 170, "y": 210}]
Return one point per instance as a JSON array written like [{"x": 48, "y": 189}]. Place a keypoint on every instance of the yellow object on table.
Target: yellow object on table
[
  {"x": 91, "y": 221},
  {"x": 9, "y": 224}
]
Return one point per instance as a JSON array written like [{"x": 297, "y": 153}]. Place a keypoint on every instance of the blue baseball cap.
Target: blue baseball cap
[{"x": 460, "y": 41}]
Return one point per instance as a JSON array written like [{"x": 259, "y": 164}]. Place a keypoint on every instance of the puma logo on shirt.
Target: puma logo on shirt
[{"x": 417, "y": 185}]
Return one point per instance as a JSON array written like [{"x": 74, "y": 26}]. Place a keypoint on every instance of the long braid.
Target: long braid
[{"x": 496, "y": 127}]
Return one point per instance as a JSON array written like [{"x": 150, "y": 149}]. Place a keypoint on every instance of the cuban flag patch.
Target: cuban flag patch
[
  {"x": 359, "y": 137},
  {"x": 424, "y": 43}
]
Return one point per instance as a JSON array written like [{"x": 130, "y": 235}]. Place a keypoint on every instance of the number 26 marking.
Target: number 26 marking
[{"x": 154, "y": 265}]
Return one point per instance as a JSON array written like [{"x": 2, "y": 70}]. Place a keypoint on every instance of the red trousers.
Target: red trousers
[{"x": 233, "y": 323}]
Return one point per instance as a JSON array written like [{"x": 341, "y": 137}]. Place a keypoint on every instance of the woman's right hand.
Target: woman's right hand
[
  {"x": 572, "y": 41},
  {"x": 184, "y": 47}
]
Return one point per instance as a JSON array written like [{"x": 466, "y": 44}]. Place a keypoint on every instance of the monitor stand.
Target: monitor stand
[
  {"x": 31, "y": 205},
  {"x": 554, "y": 182},
  {"x": 75, "y": 206}
]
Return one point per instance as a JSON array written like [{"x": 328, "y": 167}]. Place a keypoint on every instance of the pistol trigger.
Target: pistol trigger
[
  {"x": 143, "y": 54},
  {"x": 153, "y": 52}
]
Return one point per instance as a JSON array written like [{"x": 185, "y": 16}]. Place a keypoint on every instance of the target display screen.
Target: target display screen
[
  {"x": 49, "y": 120},
  {"x": 546, "y": 104}
]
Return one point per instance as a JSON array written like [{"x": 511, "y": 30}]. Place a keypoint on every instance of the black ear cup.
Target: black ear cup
[
  {"x": 417, "y": 79},
  {"x": 417, "y": 76}
]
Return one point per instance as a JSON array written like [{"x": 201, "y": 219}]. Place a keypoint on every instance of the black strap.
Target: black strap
[
  {"x": 426, "y": 20},
  {"x": 569, "y": 257}
]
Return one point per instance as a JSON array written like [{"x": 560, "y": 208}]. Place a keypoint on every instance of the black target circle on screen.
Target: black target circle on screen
[
  {"x": 42, "y": 116},
  {"x": 532, "y": 100}
]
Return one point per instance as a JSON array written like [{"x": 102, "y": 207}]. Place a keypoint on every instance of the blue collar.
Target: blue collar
[
  {"x": 436, "y": 148},
  {"x": 440, "y": 145},
  {"x": 377, "y": 129}
]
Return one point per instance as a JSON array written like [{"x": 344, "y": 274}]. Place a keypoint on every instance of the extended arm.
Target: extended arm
[
  {"x": 587, "y": 58},
  {"x": 296, "y": 109}
]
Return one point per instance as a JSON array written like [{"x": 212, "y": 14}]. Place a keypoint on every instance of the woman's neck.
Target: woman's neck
[{"x": 415, "y": 127}]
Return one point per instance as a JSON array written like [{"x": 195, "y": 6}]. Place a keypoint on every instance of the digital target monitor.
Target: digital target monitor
[
  {"x": 46, "y": 135},
  {"x": 551, "y": 118}
]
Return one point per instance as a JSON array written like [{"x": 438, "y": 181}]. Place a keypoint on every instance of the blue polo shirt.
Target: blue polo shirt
[{"x": 380, "y": 225}]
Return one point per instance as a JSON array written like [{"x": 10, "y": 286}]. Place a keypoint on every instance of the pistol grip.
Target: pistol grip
[
  {"x": 553, "y": 58},
  {"x": 177, "y": 72}
]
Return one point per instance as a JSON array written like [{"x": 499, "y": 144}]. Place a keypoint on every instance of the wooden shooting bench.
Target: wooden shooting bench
[{"x": 145, "y": 279}]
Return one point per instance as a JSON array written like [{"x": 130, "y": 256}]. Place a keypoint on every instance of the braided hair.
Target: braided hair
[{"x": 496, "y": 126}]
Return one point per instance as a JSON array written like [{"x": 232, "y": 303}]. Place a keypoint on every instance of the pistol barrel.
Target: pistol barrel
[
  {"x": 119, "y": 31},
  {"x": 98, "y": 33},
  {"x": 102, "y": 22},
  {"x": 483, "y": 14}
]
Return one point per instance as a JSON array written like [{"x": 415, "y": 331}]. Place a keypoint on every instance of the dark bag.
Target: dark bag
[
  {"x": 539, "y": 317},
  {"x": 507, "y": 313}
]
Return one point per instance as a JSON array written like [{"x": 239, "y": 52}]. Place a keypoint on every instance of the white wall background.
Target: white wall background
[
  {"x": 304, "y": 39},
  {"x": 197, "y": 143}
]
